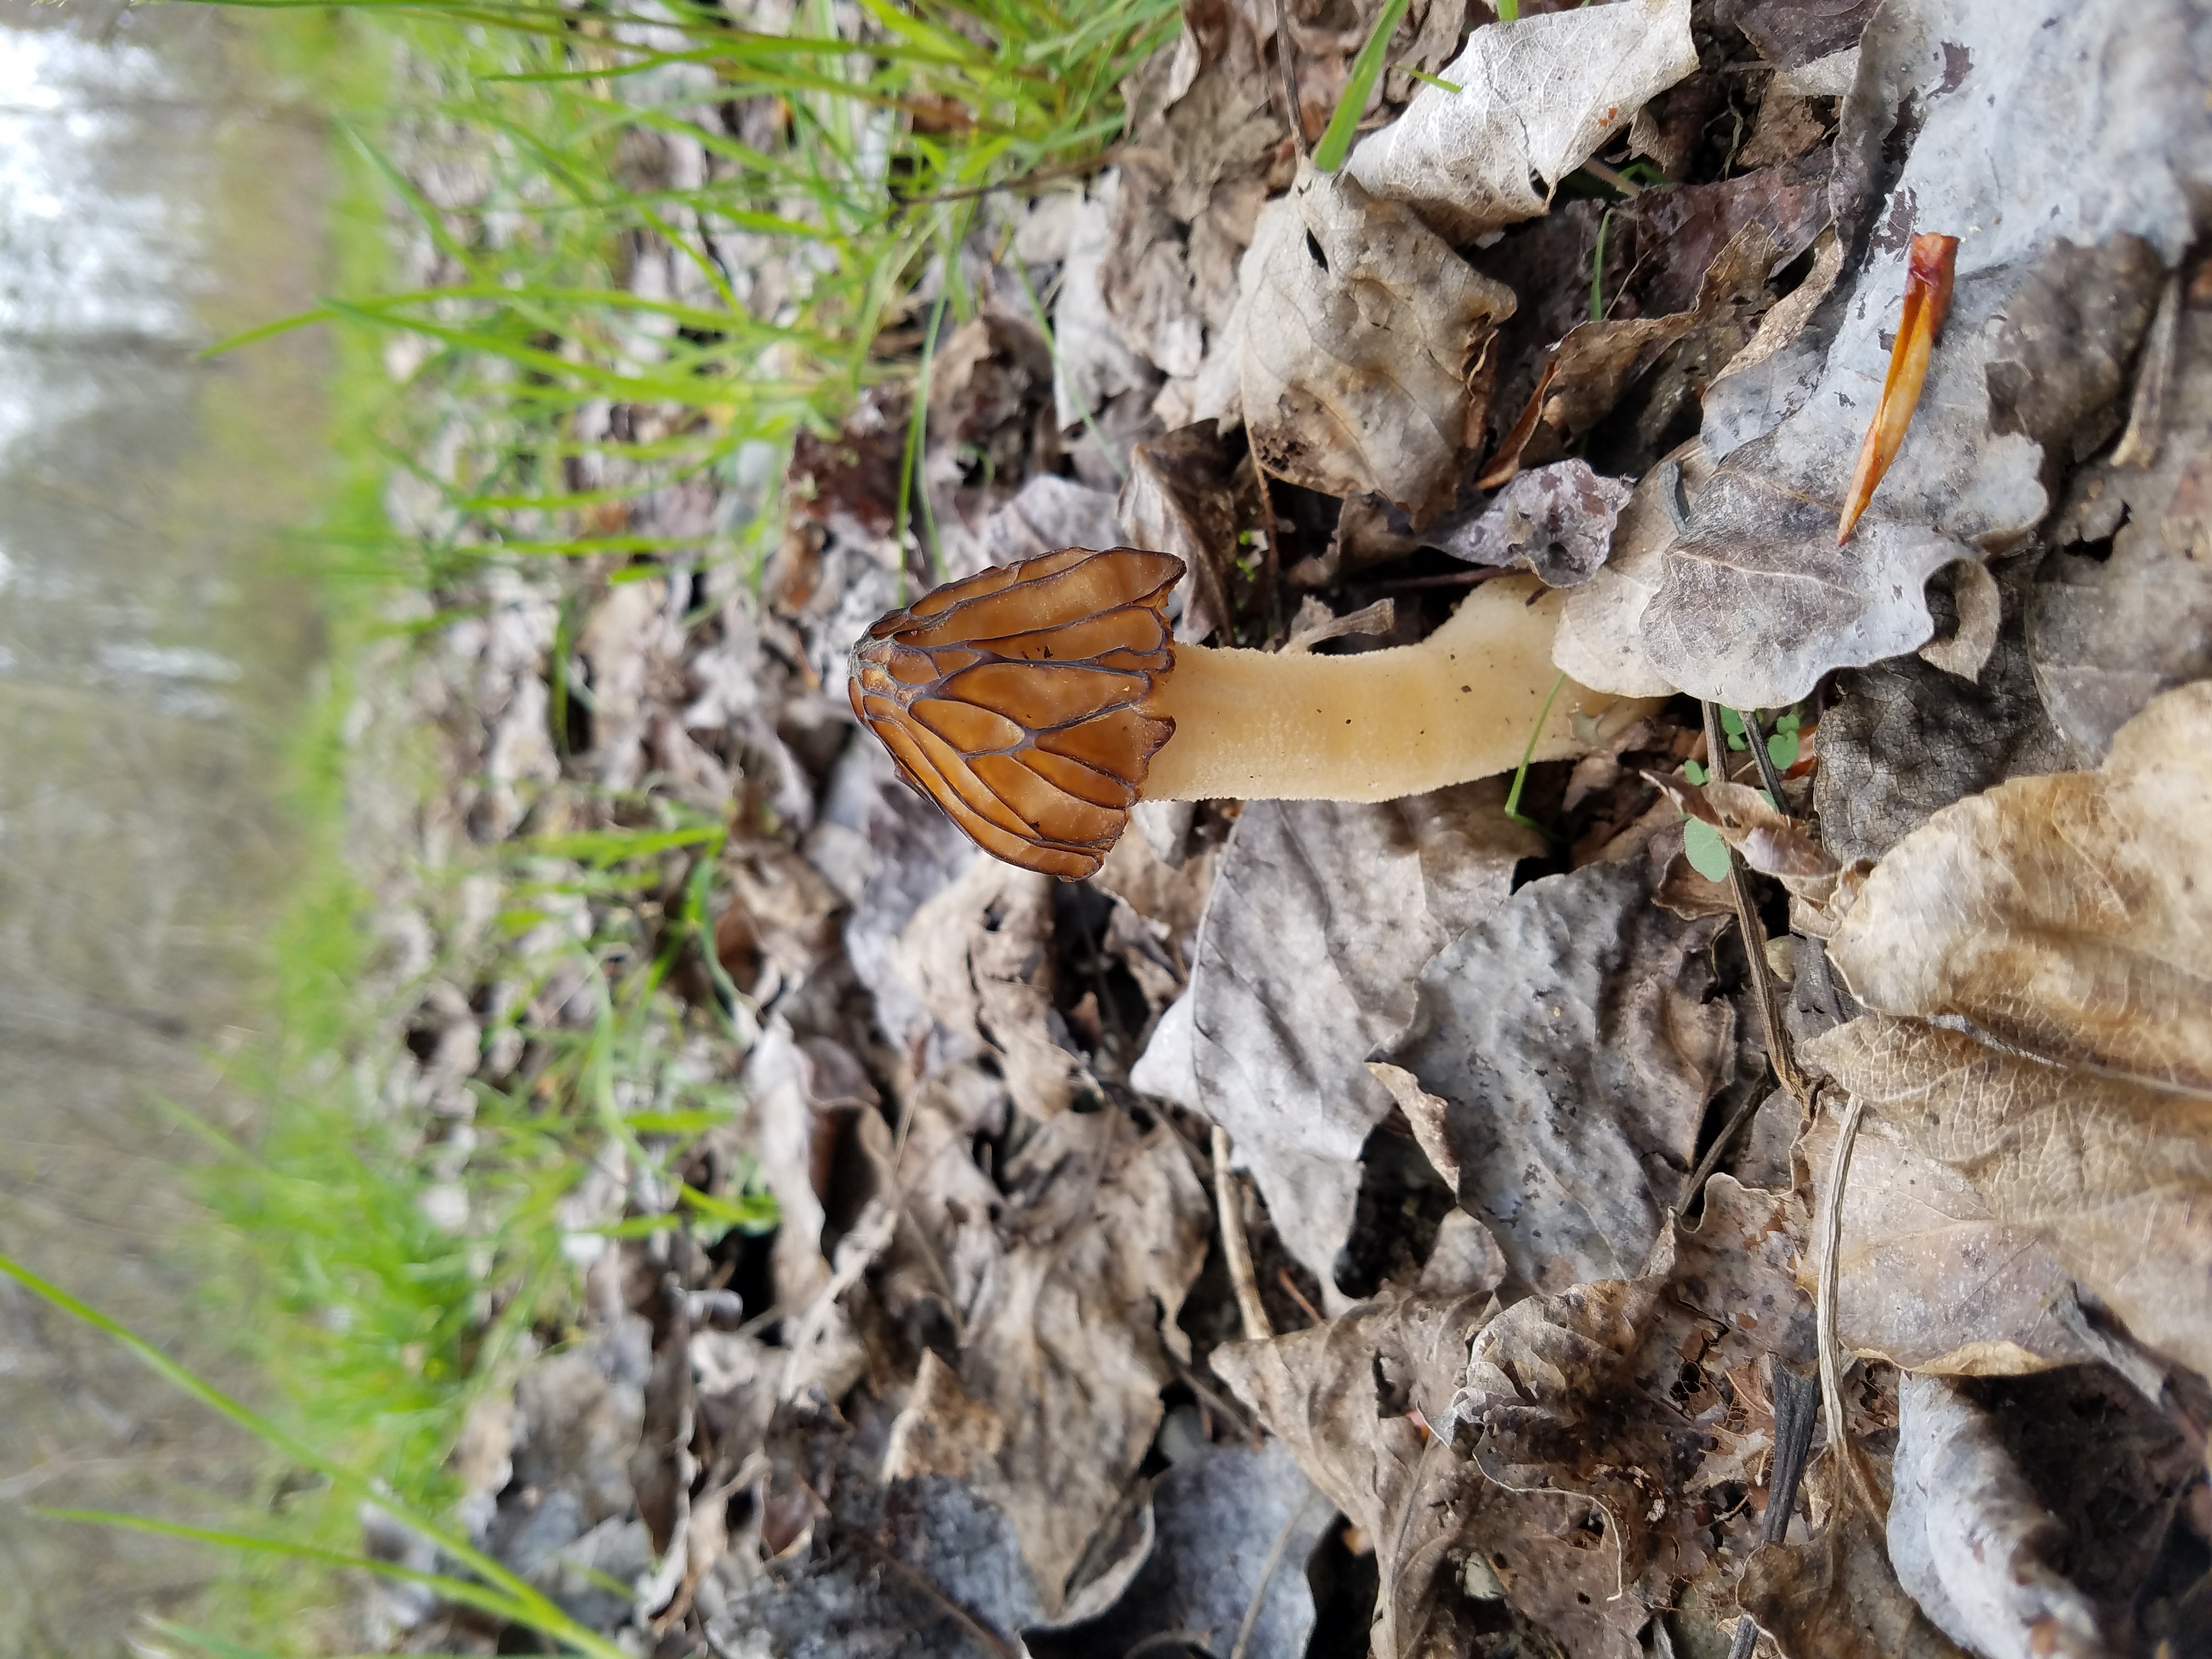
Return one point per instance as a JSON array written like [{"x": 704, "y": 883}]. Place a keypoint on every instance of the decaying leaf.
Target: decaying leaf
[
  {"x": 2107, "y": 634},
  {"x": 1969, "y": 1540},
  {"x": 1900, "y": 739},
  {"x": 1752, "y": 609},
  {"x": 1361, "y": 329},
  {"x": 979, "y": 956},
  {"x": 1536, "y": 99},
  {"x": 1055, "y": 1396},
  {"x": 1321, "y": 917},
  {"x": 1569, "y": 1034},
  {"x": 1836, "y": 1596},
  {"x": 1927, "y": 1278},
  {"x": 2066, "y": 918},
  {"x": 1555, "y": 520},
  {"x": 1350, "y": 1399}
]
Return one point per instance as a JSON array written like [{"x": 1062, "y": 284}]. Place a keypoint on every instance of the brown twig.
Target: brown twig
[
  {"x": 1291, "y": 1285},
  {"x": 1796, "y": 1403},
  {"x": 1754, "y": 936},
  {"x": 1831, "y": 1379},
  {"x": 1270, "y": 552},
  {"x": 1236, "y": 1248}
]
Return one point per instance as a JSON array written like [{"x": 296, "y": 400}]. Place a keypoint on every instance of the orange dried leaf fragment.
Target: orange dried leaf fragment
[
  {"x": 1015, "y": 700},
  {"x": 1929, "y": 268}
]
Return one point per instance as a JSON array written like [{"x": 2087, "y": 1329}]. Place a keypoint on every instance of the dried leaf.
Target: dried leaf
[
  {"x": 1187, "y": 496},
  {"x": 1218, "y": 1517},
  {"x": 2107, "y": 634},
  {"x": 1569, "y": 1034},
  {"x": 1598, "y": 644},
  {"x": 1836, "y": 1596},
  {"x": 1091, "y": 363},
  {"x": 2066, "y": 918},
  {"x": 1047, "y": 514},
  {"x": 1537, "y": 99},
  {"x": 1556, "y": 520},
  {"x": 1901, "y": 740},
  {"x": 1062, "y": 1361},
  {"x": 980, "y": 956},
  {"x": 1321, "y": 917},
  {"x": 1794, "y": 32},
  {"x": 1342, "y": 1397},
  {"x": 1969, "y": 1541},
  {"x": 1927, "y": 1278},
  {"x": 1358, "y": 382},
  {"x": 1752, "y": 609}
]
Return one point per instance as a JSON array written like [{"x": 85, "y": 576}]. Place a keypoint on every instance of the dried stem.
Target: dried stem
[
  {"x": 1748, "y": 923},
  {"x": 1831, "y": 1242},
  {"x": 1275, "y": 1554},
  {"x": 1235, "y": 1249}
]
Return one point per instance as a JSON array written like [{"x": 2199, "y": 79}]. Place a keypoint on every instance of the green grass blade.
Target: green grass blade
[{"x": 1366, "y": 69}]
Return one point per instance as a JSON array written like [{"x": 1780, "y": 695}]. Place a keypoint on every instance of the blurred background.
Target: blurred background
[{"x": 163, "y": 184}]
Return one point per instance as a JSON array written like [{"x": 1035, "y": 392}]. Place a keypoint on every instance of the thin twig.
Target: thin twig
[
  {"x": 1270, "y": 557},
  {"x": 1831, "y": 1242},
  {"x": 1235, "y": 1249},
  {"x": 1755, "y": 937},
  {"x": 1767, "y": 775},
  {"x": 1275, "y": 1554},
  {"x": 1290, "y": 1287}
]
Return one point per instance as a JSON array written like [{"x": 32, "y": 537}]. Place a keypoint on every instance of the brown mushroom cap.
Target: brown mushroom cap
[{"x": 1013, "y": 699}]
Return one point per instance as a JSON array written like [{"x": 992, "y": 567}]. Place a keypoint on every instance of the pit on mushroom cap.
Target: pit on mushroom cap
[{"x": 1035, "y": 703}]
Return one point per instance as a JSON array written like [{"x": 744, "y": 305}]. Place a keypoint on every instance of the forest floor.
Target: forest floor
[{"x": 1329, "y": 1225}]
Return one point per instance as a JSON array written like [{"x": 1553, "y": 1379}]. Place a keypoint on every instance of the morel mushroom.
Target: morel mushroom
[{"x": 1036, "y": 702}]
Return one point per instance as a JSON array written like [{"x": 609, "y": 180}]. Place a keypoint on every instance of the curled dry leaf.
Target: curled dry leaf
[
  {"x": 1598, "y": 644},
  {"x": 1187, "y": 496},
  {"x": 2068, "y": 918},
  {"x": 1568, "y": 1034},
  {"x": 1771, "y": 842},
  {"x": 1969, "y": 1539},
  {"x": 1752, "y": 607},
  {"x": 1362, "y": 328},
  {"x": 1555, "y": 520},
  {"x": 1321, "y": 917},
  {"x": 1536, "y": 99}
]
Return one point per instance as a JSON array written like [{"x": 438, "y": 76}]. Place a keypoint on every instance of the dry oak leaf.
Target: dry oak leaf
[
  {"x": 2068, "y": 918},
  {"x": 1537, "y": 98},
  {"x": 1361, "y": 328},
  {"x": 1970, "y": 1541}
]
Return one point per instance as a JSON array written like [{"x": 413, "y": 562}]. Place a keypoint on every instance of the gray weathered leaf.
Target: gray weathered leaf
[
  {"x": 1536, "y": 99},
  {"x": 1556, "y": 520},
  {"x": 1321, "y": 917},
  {"x": 1570, "y": 1035},
  {"x": 1969, "y": 1541}
]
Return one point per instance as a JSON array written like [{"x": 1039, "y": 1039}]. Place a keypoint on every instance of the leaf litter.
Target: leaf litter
[{"x": 1529, "y": 1145}]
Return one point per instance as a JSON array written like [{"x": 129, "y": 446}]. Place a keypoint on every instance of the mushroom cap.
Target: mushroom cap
[{"x": 1013, "y": 699}]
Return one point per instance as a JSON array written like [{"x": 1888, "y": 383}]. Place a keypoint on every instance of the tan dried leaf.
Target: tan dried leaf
[
  {"x": 1361, "y": 329},
  {"x": 1927, "y": 1278}
]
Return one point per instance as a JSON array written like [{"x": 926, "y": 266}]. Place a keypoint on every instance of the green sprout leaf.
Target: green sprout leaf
[
  {"x": 1366, "y": 69},
  {"x": 1708, "y": 853}
]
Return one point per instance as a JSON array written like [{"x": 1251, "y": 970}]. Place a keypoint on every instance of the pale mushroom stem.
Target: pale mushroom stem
[{"x": 1376, "y": 724}]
